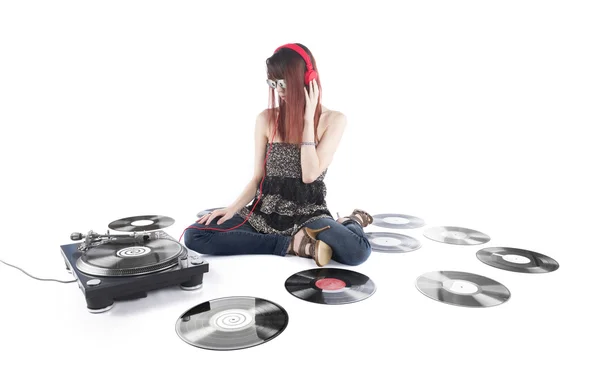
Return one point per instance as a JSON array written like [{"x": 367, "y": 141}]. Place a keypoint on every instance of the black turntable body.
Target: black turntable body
[{"x": 111, "y": 268}]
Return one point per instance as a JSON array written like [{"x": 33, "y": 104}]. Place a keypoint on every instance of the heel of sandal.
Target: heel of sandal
[
  {"x": 313, "y": 233},
  {"x": 320, "y": 251},
  {"x": 323, "y": 253}
]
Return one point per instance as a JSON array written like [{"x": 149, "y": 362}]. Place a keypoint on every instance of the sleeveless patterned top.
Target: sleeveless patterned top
[{"x": 286, "y": 203}]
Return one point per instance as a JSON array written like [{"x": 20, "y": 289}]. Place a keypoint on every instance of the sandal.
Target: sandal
[
  {"x": 318, "y": 250},
  {"x": 365, "y": 218}
]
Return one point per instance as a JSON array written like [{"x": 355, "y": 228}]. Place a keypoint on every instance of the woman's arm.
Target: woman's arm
[
  {"x": 245, "y": 197},
  {"x": 260, "y": 146},
  {"x": 316, "y": 160}
]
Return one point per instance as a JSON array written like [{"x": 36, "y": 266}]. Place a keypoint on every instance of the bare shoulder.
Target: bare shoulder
[
  {"x": 263, "y": 120},
  {"x": 263, "y": 115},
  {"x": 334, "y": 118}
]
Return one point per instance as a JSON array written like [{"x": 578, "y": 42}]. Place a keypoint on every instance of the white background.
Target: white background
[{"x": 476, "y": 114}]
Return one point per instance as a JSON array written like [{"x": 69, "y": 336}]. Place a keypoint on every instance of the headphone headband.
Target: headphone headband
[{"x": 310, "y": 73}]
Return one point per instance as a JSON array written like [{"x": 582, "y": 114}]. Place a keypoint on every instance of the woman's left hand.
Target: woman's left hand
[{"x": 312, "y": 99}]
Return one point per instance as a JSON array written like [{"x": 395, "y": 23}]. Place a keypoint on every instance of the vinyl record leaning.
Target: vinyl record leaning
[
  {"x": 456, "y": 235},
  {"x": 330, "y": 286},
  {"x": 462, "y": 289},
  {"x": 517, "y": 260},
  {"x": 231, "y": 323},
  {"x": 397, "y": 221},
  {"x": 141, "y": 223},
  {"x": 392, "y": 242}
]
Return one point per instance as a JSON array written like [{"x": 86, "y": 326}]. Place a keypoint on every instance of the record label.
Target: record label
[
  {"x": 231, "y": 323},
  {"x": 397, "y": 221},
  {"x": 456, "y": 235},
  {"x": 460, "y": 286},
  {"x": 392, "y": 242},
  {"x": 462, "y": 289},
  {"x": 517, "y": 260},
  {"x": 330, "y": 286}
]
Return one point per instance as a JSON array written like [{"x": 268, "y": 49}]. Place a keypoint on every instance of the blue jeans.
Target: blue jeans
[{"x": 348, "y": 242}]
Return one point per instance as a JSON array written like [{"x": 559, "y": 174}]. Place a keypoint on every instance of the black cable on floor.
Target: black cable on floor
[{"x": 37, "y": 278}]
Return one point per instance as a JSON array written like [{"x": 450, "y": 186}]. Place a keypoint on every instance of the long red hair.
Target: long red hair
[{"x": 289, "y": 65}]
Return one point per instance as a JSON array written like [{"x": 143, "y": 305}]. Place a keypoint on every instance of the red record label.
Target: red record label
[{"x": 330, "y": 284}]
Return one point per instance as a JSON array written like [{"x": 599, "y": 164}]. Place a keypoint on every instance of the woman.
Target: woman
[{"x": 289, "y": 209}]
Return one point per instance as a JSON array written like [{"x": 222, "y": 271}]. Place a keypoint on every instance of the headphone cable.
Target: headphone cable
[{"x": 257, "y": 200}]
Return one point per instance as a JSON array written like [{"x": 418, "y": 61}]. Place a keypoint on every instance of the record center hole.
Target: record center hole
[
  {"x": 396, "y": 220},
  {"x": 517, "y": 259},
  {"x": 460, "y": 286},
  {"x": 387, "y": 242},
  {"x": 143, "y": 222}
]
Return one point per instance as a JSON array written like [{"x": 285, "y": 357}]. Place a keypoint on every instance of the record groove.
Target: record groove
[
  {"x": 115, "y": 259},
  {"x": 141, "y": 223},
  {"x": 517, "y": 260},
  {"x": 231, "y": 323},
  {"x": 456, "y": 235},
  {"x": 397, "y": 221},
  {"x": 392, "y": 242},
  {"x": 462, "y": 289},
  {"x": 330, "y": 286}
]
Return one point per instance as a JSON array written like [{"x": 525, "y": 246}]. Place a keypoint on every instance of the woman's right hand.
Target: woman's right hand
[{"x": 224, "y": 214}]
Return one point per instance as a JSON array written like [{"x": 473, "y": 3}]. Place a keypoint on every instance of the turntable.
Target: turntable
[{"x": 115, "y": 267}]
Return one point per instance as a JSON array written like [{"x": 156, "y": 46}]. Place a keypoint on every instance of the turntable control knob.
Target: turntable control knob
[{"x": 93, "y": 282}]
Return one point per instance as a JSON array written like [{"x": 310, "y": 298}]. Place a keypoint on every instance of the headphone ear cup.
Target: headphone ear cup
[{"x": 310, "y": 75}]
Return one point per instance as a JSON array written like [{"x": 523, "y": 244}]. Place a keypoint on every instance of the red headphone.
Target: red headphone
[{"x": 310, "y": 73}]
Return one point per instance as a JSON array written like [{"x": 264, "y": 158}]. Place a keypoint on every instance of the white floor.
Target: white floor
[
  {"x": 548, "y": 319},
  {"x": 470, "y": 115}
]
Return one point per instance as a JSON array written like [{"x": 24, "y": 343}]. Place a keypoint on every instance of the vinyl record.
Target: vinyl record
[
  {"x": 141, "y": 223},
  {"x": 392, "y": 242},
  {"x": 330, "y": 286},
  {"x": 517, "y": 260},
  {"x": 462, "y": 289},
  {"x": 231, "y": 323},
  {"x": 114, "y": 259},
  {"x": 456, "y": 235},
  {"x": 397, "y": 221},
  {"x": 204, "y": 212}
]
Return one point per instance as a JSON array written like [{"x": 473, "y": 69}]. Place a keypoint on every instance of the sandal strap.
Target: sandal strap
[
  {"x": 303, "y": 243},
  {"x": 293, "y": 245},
  {"x": 368, "y": 219},
  {"x": 309, "y": 240},
  {"x": 356, "y": 219}
]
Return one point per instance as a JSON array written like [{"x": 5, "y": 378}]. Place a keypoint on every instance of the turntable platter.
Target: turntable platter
[{"x": 114, "y": 259}]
